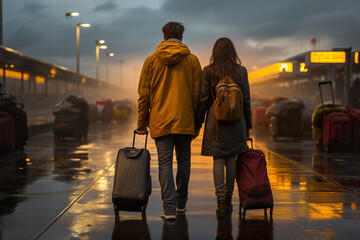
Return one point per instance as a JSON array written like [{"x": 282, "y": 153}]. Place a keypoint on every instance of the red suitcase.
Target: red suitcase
[
  {"x": 107, "y": 111},
  {"x": 253, "y": 181},
  {"x": 354, "y": 115},
  {"x": 7, "y": 133},
  {"x": 336, "y": 131},
  {"x": 259, "y": 116}
]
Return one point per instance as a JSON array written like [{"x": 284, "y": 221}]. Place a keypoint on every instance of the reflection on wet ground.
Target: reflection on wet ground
[{"x": 35, "y": 188}]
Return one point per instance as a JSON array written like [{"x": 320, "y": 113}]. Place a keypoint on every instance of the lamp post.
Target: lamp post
[
  {"x": 85, "y": 25},
  {"x": 107, "y": 64},
  {"x": 121, "y": 72},
  {"x": 97, "y": 58}
]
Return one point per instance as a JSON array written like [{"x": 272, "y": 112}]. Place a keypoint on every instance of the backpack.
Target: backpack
[{"x": 228, "y": 104}]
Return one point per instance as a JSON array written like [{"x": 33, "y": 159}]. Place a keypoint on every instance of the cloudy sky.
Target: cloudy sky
[{"x": 264, "y": 31}]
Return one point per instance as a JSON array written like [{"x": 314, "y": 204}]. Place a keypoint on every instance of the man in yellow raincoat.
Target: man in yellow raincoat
[{"x": 168, "y": 97}]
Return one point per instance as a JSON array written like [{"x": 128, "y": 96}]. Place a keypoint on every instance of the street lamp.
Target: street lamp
[
  {"x": 97, "y": 58},
  {"x": 99, "y": 41},
  {"x": 107, "y": 63},
  {"x": 85, "y": 25},
  {"x": 72, "y": 14},
  {"x": 121, "y": 72}
]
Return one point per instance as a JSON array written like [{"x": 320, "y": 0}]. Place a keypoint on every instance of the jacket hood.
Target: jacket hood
[{"x": 171, "y": 52}]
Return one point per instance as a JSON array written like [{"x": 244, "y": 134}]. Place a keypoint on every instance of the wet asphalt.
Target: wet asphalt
[{"x": 62, "y": 190}]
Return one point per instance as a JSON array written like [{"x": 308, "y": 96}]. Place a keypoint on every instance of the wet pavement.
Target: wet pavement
[{"x": 62, "y": 190}]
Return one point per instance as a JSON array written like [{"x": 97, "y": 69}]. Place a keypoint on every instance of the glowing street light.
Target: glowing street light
[
  {"x": 97, "y": 58},
  {"x": 107, "y": 64},
  {"x": 85, "y": 25},
  {"x": 72, "y": 14},
  {"x": 99, "y": 41}
]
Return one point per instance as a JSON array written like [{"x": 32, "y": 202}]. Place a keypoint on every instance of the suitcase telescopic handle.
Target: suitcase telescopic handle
[
  {"x": 332, "y": 92},
  {"x": 251, "y": 140},
  {"x": 147, "y": 132}
]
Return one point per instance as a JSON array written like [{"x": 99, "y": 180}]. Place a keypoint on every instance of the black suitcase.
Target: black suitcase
[
  {"x": 71, "y": 125},
  {"x": 132, "y": 180}
]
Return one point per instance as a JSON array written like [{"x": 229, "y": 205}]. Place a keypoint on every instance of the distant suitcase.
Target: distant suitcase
[
  {"x": 132, "y": 180},
  {"x": 71, "y": 125},
  {"x": 7, "y": 133},
  {"x": 253, "y": 182},
  {"x": 336, "y": 132},
  {"x": 21, "y": 128},
  {"x": 9, "y": 104},
  {"x": 286, "y": 119},
  {"x": 320, "y": 112},
  {"x": 259, "y": 116},
  {"x": 354, "y": 115},
  {"x": 107, "y": 111}
]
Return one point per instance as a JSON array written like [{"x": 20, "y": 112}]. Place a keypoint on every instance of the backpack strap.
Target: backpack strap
[{"x": 216, "y": 121}]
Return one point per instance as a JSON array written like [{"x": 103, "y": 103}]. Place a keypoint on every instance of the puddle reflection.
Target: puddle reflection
[
  {"x": 176, "y": 230},
  {"x": 131, "y": 229},
  {"x": 224, "y": 228},
  {"x": 13, "y": 180},
  {"x": 69, "y": 158},
  {"x": 255, "y": 229}
]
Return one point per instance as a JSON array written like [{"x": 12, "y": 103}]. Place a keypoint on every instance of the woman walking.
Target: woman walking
[{"x": 223, "y": 141}]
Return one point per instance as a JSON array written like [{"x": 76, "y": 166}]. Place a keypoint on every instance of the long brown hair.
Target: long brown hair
[{"x": 224, "y": 60}]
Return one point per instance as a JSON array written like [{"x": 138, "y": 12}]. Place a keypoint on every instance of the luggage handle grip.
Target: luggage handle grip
[
  {"x": 147, "y": 132},
  {"x": 332, "y": 92},
  {"x": 251, "y": 140}
]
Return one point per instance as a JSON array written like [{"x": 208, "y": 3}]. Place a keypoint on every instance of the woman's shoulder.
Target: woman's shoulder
[
  {"x": 242, "y": 68},
  {"x": 207, "y": 68}
]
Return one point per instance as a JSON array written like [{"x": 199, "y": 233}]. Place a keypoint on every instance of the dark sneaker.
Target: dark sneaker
[
  {"x": 168, "y": 216},
  {"x": 181, "y": 210}
]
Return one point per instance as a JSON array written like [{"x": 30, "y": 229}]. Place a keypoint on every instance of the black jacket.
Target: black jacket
[{"x": 232, "y": 136}]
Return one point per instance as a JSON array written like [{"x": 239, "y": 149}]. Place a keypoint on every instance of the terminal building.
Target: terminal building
[{"x": 301, "y": 74}]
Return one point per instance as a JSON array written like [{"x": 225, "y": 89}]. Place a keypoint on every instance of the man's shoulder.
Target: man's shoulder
[{"x": 193, "y": 58}]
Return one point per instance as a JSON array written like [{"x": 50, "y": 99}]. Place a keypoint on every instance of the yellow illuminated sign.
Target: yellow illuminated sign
[
  {"x": 327, "y": 57},
  {"x": 263, "y": 73},
  {"x": 303, "y": 67},
  {"x": 356, "y": 57}
]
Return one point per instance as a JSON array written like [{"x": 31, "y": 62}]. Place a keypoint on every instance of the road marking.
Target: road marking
[{"x": 72, "y": 203}]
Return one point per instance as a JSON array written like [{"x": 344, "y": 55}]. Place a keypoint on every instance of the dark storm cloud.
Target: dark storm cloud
[
  {"x": 33, "y": 7},
  {"x": 108, "y": 6},
  {"x": 263, "y": 31}
]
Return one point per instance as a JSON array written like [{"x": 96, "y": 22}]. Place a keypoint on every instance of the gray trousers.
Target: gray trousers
[
  {"x": 165, "y": 147},
  {"x": 224, "y": 172}
]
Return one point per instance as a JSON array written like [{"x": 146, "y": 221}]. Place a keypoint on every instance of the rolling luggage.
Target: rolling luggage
[
  {"x": 354, "y": 115},
  {"x": 105, "y": 108},
  {"x": 259, "y": 116},
  {"x": 71, "y": 118},
  {"x": 336, "y": 132},
  {"x": 319, "y": 114},
  {"x": 7, "y": 133},
  {"x": 253, "y": 182},
  {"x": 9, "y": 104},
  {"x": 132, "y": 180},
  {"x": 286, "y": 119}
]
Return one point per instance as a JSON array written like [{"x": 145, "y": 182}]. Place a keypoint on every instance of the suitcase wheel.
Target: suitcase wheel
[
  {"x": 143, "y": 209},
  {"x": 116, "y": 211}
]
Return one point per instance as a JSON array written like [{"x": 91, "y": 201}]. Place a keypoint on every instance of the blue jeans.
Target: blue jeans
[
  {"x": 224, "y": 172},
  {"x": 165, "y": 147}
]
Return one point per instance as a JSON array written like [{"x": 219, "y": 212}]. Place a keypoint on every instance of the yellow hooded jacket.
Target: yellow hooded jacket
[{"x": 169, "y": 90}]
